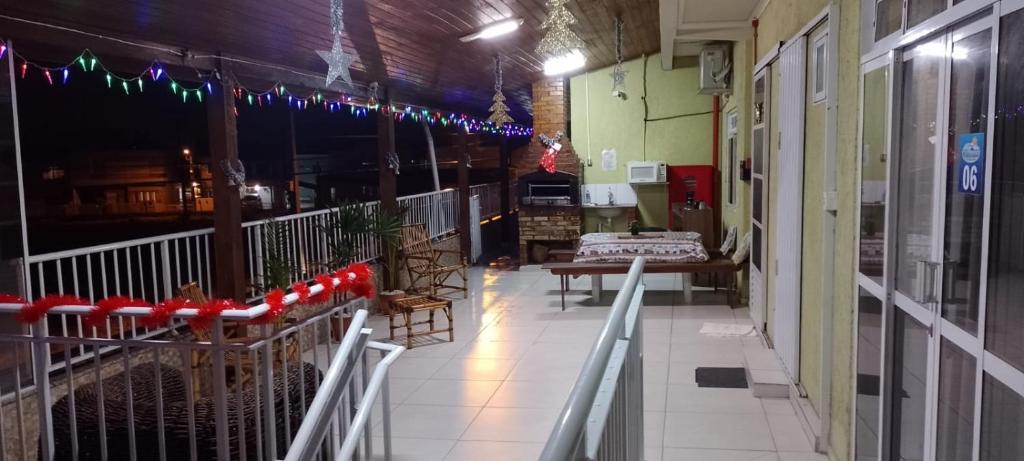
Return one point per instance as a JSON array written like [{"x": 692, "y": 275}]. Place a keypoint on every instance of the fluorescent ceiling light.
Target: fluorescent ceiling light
[
  {"x": 495, "y": 29},
  {"x": 565, "y": 63}
]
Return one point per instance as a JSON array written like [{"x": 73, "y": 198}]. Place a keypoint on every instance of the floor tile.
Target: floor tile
[
  {"x": 453, "y": 392},
  {"x": 470, "y": 450},
  {"x": 788, "y": 434},
  {"x": 475, "y": 369},
  {"x": 791, "y": 456},
  {"x": 415, "y": 367},
  {"x": 431, "y": 421},
  {"x": 654, "y": 428},
  {"x": 711, "y": 400},
  {"x": 551, "y": 393},
  {"x": 512, "y": 425},
  {"x": 509, "y": 350},
  {"x": 695, "y": 454},
  {"x": 712, "y": 430},
  {"x": 408, "y": 449}
]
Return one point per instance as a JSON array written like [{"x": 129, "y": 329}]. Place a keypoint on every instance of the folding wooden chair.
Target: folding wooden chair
[{"x": 423, "y": 263}]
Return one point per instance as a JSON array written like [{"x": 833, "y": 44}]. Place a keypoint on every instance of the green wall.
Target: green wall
[{"x": 677, "y": 130}]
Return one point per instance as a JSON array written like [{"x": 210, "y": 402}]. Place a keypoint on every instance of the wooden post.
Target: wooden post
[
  {"x": 463, "y": 159},
  {"x": 293, "y": 152},
  {"x": 504, "y": 163},
  {"x": 227, "y": 217},
  {"x": 385, "y": 146}
]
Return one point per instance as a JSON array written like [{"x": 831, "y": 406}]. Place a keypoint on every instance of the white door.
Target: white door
[
  {"x": 759, "y": 197},
  {"x": 788, "y": 211}
]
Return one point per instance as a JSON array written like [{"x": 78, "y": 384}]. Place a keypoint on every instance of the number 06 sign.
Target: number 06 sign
[{"x": 970, "y": 164}]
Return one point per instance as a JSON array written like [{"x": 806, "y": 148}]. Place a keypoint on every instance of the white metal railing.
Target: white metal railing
[
  {"x": 181, "y": 397},
  {"x": 603, "y": 418},
  {"x": 490, "y": 199},
  {"x": 438, "y": 210},
  {"x": 323, "y": 428}
]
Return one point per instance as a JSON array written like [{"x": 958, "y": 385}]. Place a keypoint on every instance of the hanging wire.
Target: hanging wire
[{"x": 497, "y": 73}]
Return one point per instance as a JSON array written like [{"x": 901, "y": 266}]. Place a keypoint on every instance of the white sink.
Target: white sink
[{"x": 609, "y": 211}]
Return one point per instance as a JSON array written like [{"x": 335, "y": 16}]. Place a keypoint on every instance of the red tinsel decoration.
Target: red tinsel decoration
[
  {"x": 363, "y": 290},
  {"x": 98, "y": 315},
  {"x": 344, "y": 280},
  {"x": 37, "y": 309},
  {"x": 300, "y": 288},
  {"x": 210, "y": 311},
  {"x": 275, "y": 306},
  {"x": 327, "y": 282},
  {"x": 11, "y": 299},
  {"x": 163, "y": 311},
  {"x": 362, "y": 271}
]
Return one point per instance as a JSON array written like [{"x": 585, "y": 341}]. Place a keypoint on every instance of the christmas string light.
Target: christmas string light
[{"x": 88, "y": 62}]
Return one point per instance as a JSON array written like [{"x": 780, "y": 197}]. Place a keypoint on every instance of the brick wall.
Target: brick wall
[{"x": 549, "y": 117}]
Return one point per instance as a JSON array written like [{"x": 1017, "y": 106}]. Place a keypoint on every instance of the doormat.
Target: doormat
[
  {"x": 728, "y": 378},
  {"x": 727, "y": 330}
]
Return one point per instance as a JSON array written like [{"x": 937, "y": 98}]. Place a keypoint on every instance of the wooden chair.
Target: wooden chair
[
  {"x": 423, "y": 262},
  {"x": 234, "y": 332}
]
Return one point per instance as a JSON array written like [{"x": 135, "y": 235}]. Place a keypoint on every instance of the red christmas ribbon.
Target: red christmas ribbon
[
  {"x": 210, "y": 311},
  {"x": 31, "y": 313},
  {"x": 98, "y": 315},
  {"x": 163, "y": 311},
  {"x": 300, "y": 288},
  {"x": 275, "y": 306},
  {"x": 327, "y": 282}
]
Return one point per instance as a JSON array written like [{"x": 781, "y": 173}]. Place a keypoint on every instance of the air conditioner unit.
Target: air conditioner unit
[{"x": 716, "y": 69}]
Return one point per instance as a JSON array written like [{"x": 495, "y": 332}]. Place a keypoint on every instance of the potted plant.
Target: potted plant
[{"x": 343, "y": 228}]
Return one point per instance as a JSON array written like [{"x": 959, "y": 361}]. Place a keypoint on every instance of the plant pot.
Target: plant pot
[
  {"x": 339, "y": 325},
  {"x": 386, "y": 297}
]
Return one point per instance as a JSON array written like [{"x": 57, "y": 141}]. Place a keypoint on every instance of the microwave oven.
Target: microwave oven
[{"x": 647, "y": 172}]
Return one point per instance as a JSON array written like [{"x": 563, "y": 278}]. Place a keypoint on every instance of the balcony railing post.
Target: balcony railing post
[
  {"x": 220, "y": 391},
  {"x": 165, "y": 266},
  {"x": 257, "y": 250},
  {"x": 41, "y": 367}
]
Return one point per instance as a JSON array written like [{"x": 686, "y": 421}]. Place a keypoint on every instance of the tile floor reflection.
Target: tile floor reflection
[{"x": 495, "y": 392}]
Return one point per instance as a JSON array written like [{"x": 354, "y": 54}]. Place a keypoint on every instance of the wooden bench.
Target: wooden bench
[{"x": 717, "y": 264}]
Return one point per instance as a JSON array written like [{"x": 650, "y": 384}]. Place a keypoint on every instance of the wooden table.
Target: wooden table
[{"x": 407, "y": 306}]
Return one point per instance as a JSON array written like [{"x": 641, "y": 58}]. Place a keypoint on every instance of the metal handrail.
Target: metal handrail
[
  {"x": 324, "y": 406},
  {"x": 425, "y": 194},
  {"x": 565, "y": 436},
  {"x": 378, "y": 382}
]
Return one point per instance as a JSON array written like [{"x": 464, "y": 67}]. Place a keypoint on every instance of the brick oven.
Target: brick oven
[{"x": 550, "y": 217}]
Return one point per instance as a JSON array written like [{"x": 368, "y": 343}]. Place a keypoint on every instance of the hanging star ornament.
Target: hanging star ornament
[{"x": 338, "y": 62}]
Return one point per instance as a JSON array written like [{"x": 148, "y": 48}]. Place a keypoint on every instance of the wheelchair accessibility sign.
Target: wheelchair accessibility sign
[{"x": 971, "y": 164}]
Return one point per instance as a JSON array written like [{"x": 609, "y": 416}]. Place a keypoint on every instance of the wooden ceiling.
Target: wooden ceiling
[{"x": 409, "y": 46}]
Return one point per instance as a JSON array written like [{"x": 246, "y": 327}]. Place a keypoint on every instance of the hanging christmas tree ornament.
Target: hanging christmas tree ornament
[
  {"x": 371, "y": 100},
  {"x": 499, "y": 111},
  {"x": 559, "y": 39},
  {"x": 618, "y": 73},
  {"x": 338, "y": 61}
]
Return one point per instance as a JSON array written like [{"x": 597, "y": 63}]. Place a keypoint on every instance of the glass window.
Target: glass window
[
  {"x": 955, "y": 439},
  {"x": 756, "y": 206},
  {"x": 869, "y": 369},
  {"x": 755, "y": 247},
  {"x": 968, "y": 122},
  {"x": 909, "y": 391},
  {"x": 874, "y": 166},
  {"x": 1002, "y": 422},
  {"x": 758, "y": 147},
  {"x": 820, "y": 62},
  {"x": 732, "y": 121},
  {"x": 888, "y": 17},
  {"x": 920, "y": 10},
  {"x": 915, "y": 226},
  {"x": 1005, "y": 312}
]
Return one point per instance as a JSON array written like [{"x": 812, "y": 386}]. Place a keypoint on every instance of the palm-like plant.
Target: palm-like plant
[
  {"x": 349, "y": 221},
  {"x": 277, "y": 266}
]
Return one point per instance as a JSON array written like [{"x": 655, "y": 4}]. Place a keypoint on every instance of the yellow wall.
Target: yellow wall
[
  {"x": 780, "y": 20},
  {"x": 811, "y": 254},
  {"x": 601, "y": 121}
]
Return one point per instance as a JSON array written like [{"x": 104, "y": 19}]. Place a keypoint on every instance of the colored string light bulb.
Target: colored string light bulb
[
  {"x": 124, "y": 84},
  {"x": 249, "y": 97},
  {"x": 280, "y": 90},
  {"x": 49, "y": 78},
  {"x": 92, "y": 64},
  {"x": 174, "y": 87},
  {"x": 81, "y": 60},
  {"x": 159, "y": 72},
  {"x": 24, "y": 69},
  {"x": 139, "y": 81},
  {"x": 199, "y": 95},
  {"x": 3, "y": 51},
  {"x": 209, "y": 88},
  {"x": 184, "y": 96},
  {"x": 109, "y": 81},
  {"x": 66, "y": 73}
]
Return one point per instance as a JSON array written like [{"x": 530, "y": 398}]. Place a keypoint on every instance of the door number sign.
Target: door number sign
[{"x": 970, "y": 164}]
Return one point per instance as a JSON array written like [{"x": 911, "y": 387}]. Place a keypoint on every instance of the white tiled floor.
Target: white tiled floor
[{"x": 495, "y": 393}]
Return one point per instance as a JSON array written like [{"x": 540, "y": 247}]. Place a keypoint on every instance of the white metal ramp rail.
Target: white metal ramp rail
[{"x": 603, "y": 418}]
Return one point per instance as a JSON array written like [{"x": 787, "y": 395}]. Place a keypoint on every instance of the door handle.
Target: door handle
[{"x": 924, "y": 283}]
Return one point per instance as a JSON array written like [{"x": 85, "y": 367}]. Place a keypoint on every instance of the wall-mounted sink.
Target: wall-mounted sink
[{"x": 609, "y": 211}]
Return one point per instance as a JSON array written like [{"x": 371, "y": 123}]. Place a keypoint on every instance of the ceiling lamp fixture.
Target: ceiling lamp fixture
[
  {"x": 561, "y": 47},
  {"x": 496, "y": 29}
]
